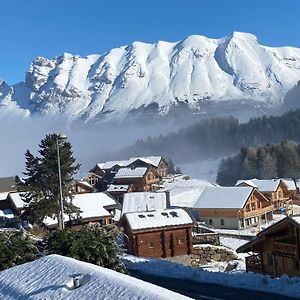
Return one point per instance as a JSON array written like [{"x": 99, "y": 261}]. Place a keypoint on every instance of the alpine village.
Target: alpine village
[{"x": 161, "y": 214}]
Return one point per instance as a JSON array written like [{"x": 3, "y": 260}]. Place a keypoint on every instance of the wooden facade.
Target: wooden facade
[
  {"x": 257, "y": 209},
  {"x": 281, "y": 197},
  {"x": 81, "y": 187},
  {"x": 275, "y": 250},
  {"x": 145, "y": 183},
  {"x": 161, "y": 168},
  {"x": 159, "y": 242}
]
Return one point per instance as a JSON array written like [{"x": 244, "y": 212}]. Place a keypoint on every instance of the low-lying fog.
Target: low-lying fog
[{"x": 91, "y": 144}]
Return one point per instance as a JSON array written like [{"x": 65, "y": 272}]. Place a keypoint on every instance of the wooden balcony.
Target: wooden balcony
[
  {"x": 257, "y": 212},
  {"x": 253, "y": 263},
  {"x": 285, "y": 248}
]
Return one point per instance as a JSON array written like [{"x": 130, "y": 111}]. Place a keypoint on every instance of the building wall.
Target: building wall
[
  {"x": 221, "y": 222},
  {"x": 160, "y": 243}
]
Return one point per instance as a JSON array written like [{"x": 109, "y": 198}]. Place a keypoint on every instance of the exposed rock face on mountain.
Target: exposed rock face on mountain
[{"x": 194, "y": 75}]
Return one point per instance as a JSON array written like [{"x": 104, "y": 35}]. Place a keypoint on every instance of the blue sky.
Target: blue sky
[{"x": 31, "y": 28}]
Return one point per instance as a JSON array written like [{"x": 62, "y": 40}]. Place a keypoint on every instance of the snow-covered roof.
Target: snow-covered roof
[
  {"x": 92, "y": 205},
  {"x": 290, "y": 183},
  {"x": 84, "y": 183},
  {"x": 131, "y": 173},
  {"x": 118, "y": 188},
  {"x": 185, "y": 193},
  {"x": 263, "y": 185},
  {"x": 110, "y": 164},
  {"x": 143, "y": 201},
  {"x": 7, "y": 213},
  {"x": 3, "y": 196},
  {"x": 50, "y": 277},
  {"x": 17, "y": 200},
  {"x": 158, "y": 218},
  {"x": 223, "y": 197},
  {"x": 152, "y": 160}
]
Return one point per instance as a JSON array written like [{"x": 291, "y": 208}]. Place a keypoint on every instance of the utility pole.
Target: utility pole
[{"x": 60, "y": 137}]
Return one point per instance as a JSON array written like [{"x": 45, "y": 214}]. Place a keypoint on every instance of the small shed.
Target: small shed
[{"x": 159, "y": 233}]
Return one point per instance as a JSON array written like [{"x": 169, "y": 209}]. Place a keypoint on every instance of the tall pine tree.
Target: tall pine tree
[{"x": 41, "y": 181}]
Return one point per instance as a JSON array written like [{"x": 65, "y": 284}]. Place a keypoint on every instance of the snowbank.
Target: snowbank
[
  {"x": 238, "y": 279},
  {"x": 50, "y": 277}
]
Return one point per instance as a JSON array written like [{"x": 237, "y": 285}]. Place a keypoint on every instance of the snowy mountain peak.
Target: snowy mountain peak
[{"x": 156, "y": 78}]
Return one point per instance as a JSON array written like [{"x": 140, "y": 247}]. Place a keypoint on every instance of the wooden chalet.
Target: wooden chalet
[
  {"x": 98, "y": 208},
  {"x": 157, "y": 162},
  {"x": 107, "y": 171},
  {"x": 233, "y": 207},
  {"x": 11, "y": 207},
  {"x": 159, "y": 233},
  {"x": 81, "y": 186},
  {"x": 275, "y": 190},
  {"x": 141, "y": 179},
  {"x": 292, "y": 190},
  {"x": 275, "y": 250}
]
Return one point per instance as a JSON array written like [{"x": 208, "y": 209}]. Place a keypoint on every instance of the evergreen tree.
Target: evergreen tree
[
  {"x": 93, "y": 244},
  {"x": 16, "y": 249},
  {"x": 41, "y": 181}
]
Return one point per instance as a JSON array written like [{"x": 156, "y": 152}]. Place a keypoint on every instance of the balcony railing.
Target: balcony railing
[
  {"x": 253, "y": 262},
  {"x": 285, "y": 248},
  {"x": 257, "y": 212}
]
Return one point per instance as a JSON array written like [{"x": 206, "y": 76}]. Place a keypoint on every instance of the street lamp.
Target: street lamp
[{"x": 60, "y": 137}]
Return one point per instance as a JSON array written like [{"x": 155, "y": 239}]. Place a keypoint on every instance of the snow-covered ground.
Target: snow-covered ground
[
  {"x": 205, "y": 169},
  {"x": 51, "y": 277},
  {"x": 238, "y": 279}
]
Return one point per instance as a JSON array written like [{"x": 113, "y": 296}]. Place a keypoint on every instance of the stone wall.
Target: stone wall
[{"x": 206, "y": 254}]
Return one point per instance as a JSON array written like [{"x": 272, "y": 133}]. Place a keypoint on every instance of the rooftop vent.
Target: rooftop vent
[
  {"x": 173, "y": 214},
  {"x": 151, "y": 216}
]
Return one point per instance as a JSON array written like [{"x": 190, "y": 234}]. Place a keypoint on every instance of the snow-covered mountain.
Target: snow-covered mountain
[{"x": 156, "y": 78}]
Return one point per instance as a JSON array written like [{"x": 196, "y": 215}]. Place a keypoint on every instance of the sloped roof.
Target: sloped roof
[
  {"x": 143, "y": 201},
  {"x": 50, "y": 277},
  {"x": 158, "y": 218},
  {"x": 131, "y": 173},
  {"x": 224, "y": 197},
  {"x": 152, "y": 160},
  {"x": 92, "y": 205},
  {"x": 7, "y": 184},
  {"x": 7, "y": 213},
  {"x": 110, "y": 164},
  {"x": 263, "y": 185},
  {"x": 290, "y": 183},
  {"x": 17, "y": 200},
  {"x": 260, "y": 236}
]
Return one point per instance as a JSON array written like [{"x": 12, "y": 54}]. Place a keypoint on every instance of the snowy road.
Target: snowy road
[{"x": 205, "y": 291}]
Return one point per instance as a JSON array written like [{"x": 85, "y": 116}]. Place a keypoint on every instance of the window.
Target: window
[
  {"x": 150, "y": 245},
  {"x": 222, "y": 222},
  {"x": 141, "y": 216}
]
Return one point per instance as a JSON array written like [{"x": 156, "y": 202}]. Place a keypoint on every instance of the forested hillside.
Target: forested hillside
[
  {"x": 270, "y": 161},
  {"x": 219, "y": 137}
]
